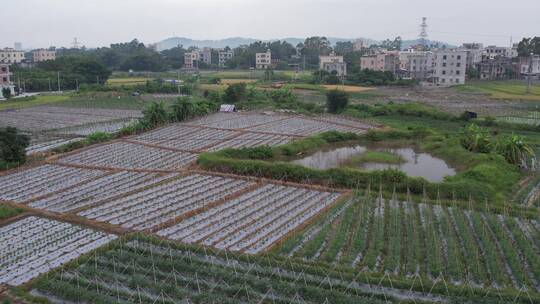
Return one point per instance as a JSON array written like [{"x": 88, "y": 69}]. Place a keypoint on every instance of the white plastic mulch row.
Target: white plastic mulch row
[
  {"x": 47, "y": 118},
  {"x": 157, "y": 205},
  {"x": 344, "y": 121},
  {"x": 253, "y": 140},
  {"x": 98, "y": 190},
  {"x": 49, "y": 145},
  {"x": 33, "y": 246},
  {"x": 253, "y": 221},
  {"x": 304, "y": 127},
  {"x": 174, "y": 131},
  {"x": 42, "y": 180},
  {"x": 125, "y": 155},
  {"x": 85, "y": 130},
  {"x": 244, "y": 121},
  {"x": 193, "y": 141}
]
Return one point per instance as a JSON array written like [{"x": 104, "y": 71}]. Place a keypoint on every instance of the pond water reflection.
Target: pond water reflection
[{"x": 416, "y": 164}]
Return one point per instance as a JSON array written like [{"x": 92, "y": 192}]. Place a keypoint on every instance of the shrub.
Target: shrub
[
  {"x": 97, "y": 137},
  {"x": 182, "y": 109},
  {"x": 476, "y": 139},
  {"x": 13, "y": 146},
  {"x": 235, "y": 92},
  {"x": 514, "y": 149},
  {"x": 155, "y": 114},
  {"x": 336, "y": 101},
  {"x": 6, "y": 92}
]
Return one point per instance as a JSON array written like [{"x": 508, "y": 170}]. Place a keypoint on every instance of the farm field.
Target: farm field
[
  {"x": 503, "y": 89},
  {"x": 39, "y": 100},
  {"x": 127, "y": 81},
  {"x": 408, "y": 239},
  {"x": 147, "y": 270},
  {"x": 33, "y": 246},
  {"x": 186, "y": 231}
]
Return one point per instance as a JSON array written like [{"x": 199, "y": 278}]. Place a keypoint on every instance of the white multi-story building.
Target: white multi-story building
[
  {"x": 224, "y": 56},
  {"x": 449, "y": 67},
  {"x": 332, "y": 63},
  {"x": 263, "y": 60},
  {"x": 383, "y": 61},
  {"x": 191, "y": 59},
  {"x": 9, "y": 55},
  {"x": 475, "y": 51},
  {"x": 530, "y": 65},
  {"x": 494, "y": 51},
  {"x": 416, "y": 65},
  {"x": 5, "y": 78},
  {"x": 43, "y": 55}
]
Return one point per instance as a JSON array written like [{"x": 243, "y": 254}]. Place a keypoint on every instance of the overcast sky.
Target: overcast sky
[{"x": 42, "y": 23}]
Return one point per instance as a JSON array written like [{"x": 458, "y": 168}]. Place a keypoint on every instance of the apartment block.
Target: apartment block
[
  {"x": 191, "y": 60},
  {"x": 449, "y": 67},
  {"x": 384, "y": 62},
  {"x": 263, "y": 60},
  {"x": 416, "y": 65},
  {"x": 475, "y": 51},
  {"x": 9, "y": 55},
  {"x": 43, "y": 55},
  {"x": 5, "y": 75},
  {"x": 224, "y": 56},
  {"x": 493, "y": 51},
  {"x": 332, "y": 63},
  {"x": 529, "y": 65}
]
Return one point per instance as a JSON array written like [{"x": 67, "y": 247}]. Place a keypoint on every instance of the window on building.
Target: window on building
[
  {"x": 443, "y": 80},
  {"x": 459, "y": 57},
  {"x": 444, "y": 57},
  {"x": 4, "y": 79},
  {"x": 457, "y": 72},
  {"x": 444, "y": 64},
  {"x": 457, "y": 80},
  {"x": 444, "y": 72},
  {"x": 458, "y": 64}
]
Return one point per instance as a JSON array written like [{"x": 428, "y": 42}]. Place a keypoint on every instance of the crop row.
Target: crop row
[
  {"x": 303, "y": 126},
  {"x": 33, "y": 246},
  {"x": 146, "y": 272},
  {"x": 48, "y": 118},
  {"x": 236, "y": 121},
  {"x": 254, "y": 221},
  {"x": 433, "y": 241},
  {"x": 32, "y": 183},
  {"x": 98, "y": 190},
  {"x": 157, "y": 205},
  {"x": 124, "y": 155},
  {"x": 194, "y": 140}
]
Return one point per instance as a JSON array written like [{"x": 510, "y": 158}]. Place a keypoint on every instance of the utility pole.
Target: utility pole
[
  {"x": 58, "y": 77},
  {"x": 76, "y": 84},
  {"x": 50, "y": 88}
]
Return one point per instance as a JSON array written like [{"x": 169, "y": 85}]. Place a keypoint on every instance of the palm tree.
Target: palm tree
[{"x": 514, "y": 148}]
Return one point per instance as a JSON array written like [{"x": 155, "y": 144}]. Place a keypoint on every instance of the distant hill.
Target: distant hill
[
  {"x": 234, "y": 42},
  {"x": 237, "y": 41}
]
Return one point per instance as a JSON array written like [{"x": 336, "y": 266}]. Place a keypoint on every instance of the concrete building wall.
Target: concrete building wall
[
  {"x": 380, "y": 62},
  {"x": 9, "y": 55},
  {"x": 416, "y": 65},
  {"x": 190, "y": 60},
  {"x": 263, "y": 60},
  {"x": 43, "y": 55},
  {"x": 5, "y": 75},
  {"x": 449, "y": 67},
  {"x": 224, "y": 56}
]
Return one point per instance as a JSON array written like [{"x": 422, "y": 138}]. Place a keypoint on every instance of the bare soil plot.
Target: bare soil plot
[{"x": 32, "y": 246}]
